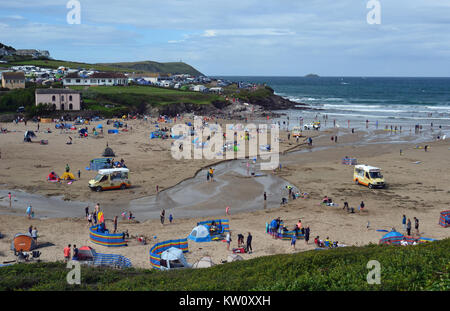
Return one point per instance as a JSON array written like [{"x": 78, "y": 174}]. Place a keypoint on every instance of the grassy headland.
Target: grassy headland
[{"x": 422, "y": 267}]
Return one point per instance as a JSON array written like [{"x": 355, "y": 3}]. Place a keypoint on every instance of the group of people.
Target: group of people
[
  {"x": 162, "y": 217},
  {"x": 407, "y": 225},
  {"x": 247, "y": 248},
  {"x": 325, "y": 243},
  {"x": 68, "y": 251},
  {"x": 351, "y": 209},
  {"x": 276, "y": 228},
  {"x": 33, "y": 232}
]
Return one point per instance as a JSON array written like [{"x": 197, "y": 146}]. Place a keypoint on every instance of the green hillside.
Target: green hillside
[
  {"x": 149, "y": 66},
  {"x": 422, "y": 267}
]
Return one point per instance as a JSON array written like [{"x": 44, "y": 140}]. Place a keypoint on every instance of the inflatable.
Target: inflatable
[
  {"x": 106, "y": 238},
  {"x": 52, "y": 177}
]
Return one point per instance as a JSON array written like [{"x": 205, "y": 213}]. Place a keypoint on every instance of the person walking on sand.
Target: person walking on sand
[
  {"x": 307, "y": 231},
  {"x": 89, "y": 219},
  {"x": 29, "y": 211},
  {"x": 211, "y": 173},
  {"x": 10, "y": 201},
  {"x": 86, "y": 210},
  {"x": 75, "y": 253},
  {"x": 228, "y": 240},
  {"x": 170, "y": 218},
  {"x": 293, "y": 240},
  {"x": 34, "y": 234},
  {"x": 345, "y": 206},
  {"x": 227, "y": 211},
  {"x": 361, "y": 206},
  {"x": 404, "y": 222},
  {"x": 67, "y": 253},
  {"x": 408, "y": 227},
  {"x": 249, "y": 243},
  {"x": 416, "y": 224},
  {"x": 115, "y": 224},
  {"x": 162, "y": 216}
]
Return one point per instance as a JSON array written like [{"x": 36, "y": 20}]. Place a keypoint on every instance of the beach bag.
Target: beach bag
[{"x": 239, "y": 250}]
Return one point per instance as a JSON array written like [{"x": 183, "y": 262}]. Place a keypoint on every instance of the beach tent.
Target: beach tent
[
  {"x": 234, "y": 257},
  {"x": 200, "y": 234},
  {"x": 86, "y": 253},
  {"x": 394, "y": 237},
  {"x": 444, "y": 219},
  {"x": 28, "y": 135},
  {"x": 108, "y": 152},
  {"x": 99, "y": 126},
  {"x": 205, "y": 262},
  {"x": 173, "y": 258},
  {"x": 23, "y": 242},
  {"x": 67, "y": 176},
  {"x": 159, "y": 248}
]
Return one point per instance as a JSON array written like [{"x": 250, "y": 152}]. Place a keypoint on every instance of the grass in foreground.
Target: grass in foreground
[{"x": 423, "y": 267}]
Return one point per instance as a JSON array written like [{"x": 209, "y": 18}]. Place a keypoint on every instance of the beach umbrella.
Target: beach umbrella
[{"x": 99, "y": 126}]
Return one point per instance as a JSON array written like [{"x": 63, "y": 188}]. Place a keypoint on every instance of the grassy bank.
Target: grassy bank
[
  {"x": 140, "y": 96},
  {"x": 423, "y": 267},
  {"x": 113, "y": 100}
]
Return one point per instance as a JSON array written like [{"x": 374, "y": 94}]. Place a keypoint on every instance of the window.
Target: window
[
  {"x": 70, "y": 97},
  {"x": 78, "y": 80},
  {"x": 109, "y": 80},
  {"x": 53, "y": 98},
  {"x": 62, "y": 106},
  {"x": 68, "y": 80},
  {"x": 62, "y": 97},
  {"x": 70, "y": 107}
]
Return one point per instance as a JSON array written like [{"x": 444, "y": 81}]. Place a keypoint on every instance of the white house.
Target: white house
[
  {"x": 96, "y": 79},
  {"x": 200, "y": 88}
]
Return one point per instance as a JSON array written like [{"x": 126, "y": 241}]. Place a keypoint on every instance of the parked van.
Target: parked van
[
  {"x": 368, "y": 176},
  {"x": 312, "y": 126},
  {"x": 114, "y": 178},
  {"x": 297, "y": 132}
]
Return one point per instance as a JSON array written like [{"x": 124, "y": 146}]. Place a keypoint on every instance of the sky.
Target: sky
[{"x": 242, "y": 37}]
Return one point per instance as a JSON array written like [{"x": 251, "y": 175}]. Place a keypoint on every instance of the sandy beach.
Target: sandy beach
[{"x": 417, "y": 187}]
